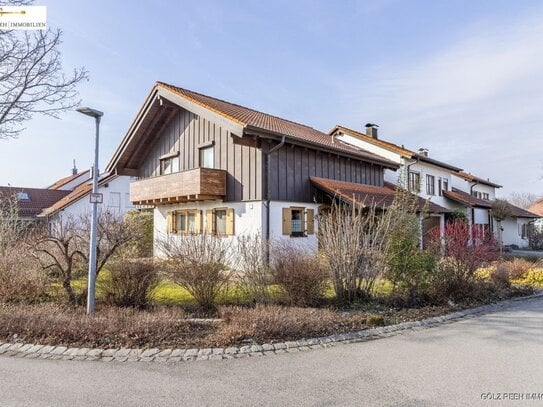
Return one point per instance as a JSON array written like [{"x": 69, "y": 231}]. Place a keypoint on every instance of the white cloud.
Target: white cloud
[{"x": 476, "y": 103}]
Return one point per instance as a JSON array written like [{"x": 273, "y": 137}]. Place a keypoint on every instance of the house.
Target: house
[
  {"x": 210, "y": 165},
  {"x": 77, "y": 188},
  {"x": 442, "y": 183},
  {"x": 31, "y": 201},
  {"x": 537, "y": 208}
]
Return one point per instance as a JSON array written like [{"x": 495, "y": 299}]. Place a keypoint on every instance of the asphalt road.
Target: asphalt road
[{"x": 450, "y": 365}]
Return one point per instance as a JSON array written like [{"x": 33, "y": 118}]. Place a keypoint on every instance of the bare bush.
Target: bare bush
[
  {"x": 300, "y": 274},
  {"x": 129, "y": 282},
  {"x": 200, "y": 264},
  {"x": 354, "y": 244},
  {"x": 111, "y": 327},
  {"x": 515, "y": 268},
  {"x": 270, "y": 322},
  {"x": 253, "y": 271},
  {"x": 20, "y": 279}
]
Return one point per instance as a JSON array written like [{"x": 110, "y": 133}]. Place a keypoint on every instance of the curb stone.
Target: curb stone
[{"x": 52, "y": 352}]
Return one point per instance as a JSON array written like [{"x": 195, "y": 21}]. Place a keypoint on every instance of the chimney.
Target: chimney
[
  {"x": 371, "y": 130},
  {"x": 74, "y": 170},
  {"x": 423, "y": 152}
]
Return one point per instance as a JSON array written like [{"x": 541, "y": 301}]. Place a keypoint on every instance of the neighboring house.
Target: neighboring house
[
  {"x": 537, "y": 208},
  {"x": 76, "y": 202},
  {"x": 31, "y": 201},
  {"x": 209, "y": 165},
  {"x": 441, "y": 183}
]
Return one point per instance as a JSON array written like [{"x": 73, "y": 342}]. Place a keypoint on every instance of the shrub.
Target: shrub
[
  {"x": 499, "y": 276},
  {"x": 353, "y": 243},
  {"x": 129, "y": 282},
  {"x": 271, "y": 322},
  {"x": 254, "y": 274},
  {"x": 375, "y": 320},
  {"x": 516, "y": 267},
  {"x": 199, "y": 264},
  {"x": 300, "y": 274},
  {"x": 109, "y": 327},
  {"x": 533, "y": 278}
]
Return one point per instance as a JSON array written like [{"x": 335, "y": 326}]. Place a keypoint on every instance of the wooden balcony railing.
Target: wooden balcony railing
[{"x": 199, "y": 184}]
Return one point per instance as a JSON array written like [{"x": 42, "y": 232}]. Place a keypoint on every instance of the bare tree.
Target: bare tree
[
  {"x": 501, "y": 209},
  {"x": 58, "y": 249},
  {"x": 32, "y": 79},
  {"x": 523, "y": 199}
]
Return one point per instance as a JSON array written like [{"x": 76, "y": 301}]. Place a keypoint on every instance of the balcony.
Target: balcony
[{"x": 199, "y": 184}]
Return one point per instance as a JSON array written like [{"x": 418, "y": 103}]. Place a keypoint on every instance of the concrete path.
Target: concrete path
[{"x": 458, "y": 364}]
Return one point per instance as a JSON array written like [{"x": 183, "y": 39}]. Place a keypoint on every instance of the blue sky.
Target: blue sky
[{"x": 461, "y": 78}]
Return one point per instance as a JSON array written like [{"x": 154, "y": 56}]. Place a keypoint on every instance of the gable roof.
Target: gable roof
[
  {"x": 38, "y": 199},
  {"x": 78, "y": 193},
  {"x": 368, "y": 195},
  {"x": 467, "y": 199},
  {"x": 472, "y": 178},
  {"x": 243, "y": 120},
  {"x": 66, "y": 180},
  {"x": 392, "y": 147}
]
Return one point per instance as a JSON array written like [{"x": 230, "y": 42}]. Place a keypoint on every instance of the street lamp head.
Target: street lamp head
[{"x": 90, "y": 112}]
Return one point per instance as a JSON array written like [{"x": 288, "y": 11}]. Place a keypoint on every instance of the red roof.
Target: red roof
[
  {"x": 79, "y": 192},
  {"x": 472, "y": 178},
  {"x": 467, "y": 199},
  {"x": 537, "y": 208},
  {"x": 38, "y": 199},
  {"x": 63, "y": 181},
  {"x": 369, "y": 195}
]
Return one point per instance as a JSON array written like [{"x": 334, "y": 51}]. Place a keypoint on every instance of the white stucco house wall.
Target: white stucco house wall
[{"x": 442, "y": 183}]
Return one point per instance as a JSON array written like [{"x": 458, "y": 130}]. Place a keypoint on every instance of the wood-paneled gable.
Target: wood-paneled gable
[{"x": 186, "y": 133}]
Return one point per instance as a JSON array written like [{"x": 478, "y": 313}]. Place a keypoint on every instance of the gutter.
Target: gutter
[
  {"x": 408, "y": 166},
  {"x": 268, "y": 191}
]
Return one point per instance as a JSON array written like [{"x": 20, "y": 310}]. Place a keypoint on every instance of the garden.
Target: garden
[{"x": 207, "y": 291}]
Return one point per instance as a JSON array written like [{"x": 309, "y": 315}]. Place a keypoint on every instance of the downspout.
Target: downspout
[
  {"x": 268, "y": 192},
  {"x": 409, "y": 170},
  {"x": 472, "y": 213}
]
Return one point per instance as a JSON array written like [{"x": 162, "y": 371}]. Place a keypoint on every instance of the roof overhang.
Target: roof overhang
[{"x": 158, "y": 109}]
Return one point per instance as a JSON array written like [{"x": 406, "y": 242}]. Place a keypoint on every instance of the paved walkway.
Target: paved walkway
[{"x": 451, "y": 365}]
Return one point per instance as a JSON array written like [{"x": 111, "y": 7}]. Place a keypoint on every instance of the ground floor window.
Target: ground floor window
[
  {"x": 298, "y": 221},
  {"x": 186, "y": 221},
  {"x": 220, "y": 221}
]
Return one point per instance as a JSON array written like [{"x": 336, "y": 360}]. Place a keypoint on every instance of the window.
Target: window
[
  {"x": 486, "y": 196},
  {"x": 430, "y": 185},
  {"x": 445, "y": 185},
  {"x": 114, "y": 200},
  {"x": 298, "y": 221},
  {"x": 220, "y": 221},
  {"x": 23, "y": 196},
  {"x": 169, "y": 165},
  {"x": 414, "y": 181},
  {"x": 185, "y": 221},
  {"x": 439, "y": 186},
  {"x": 207, "y": 157}
]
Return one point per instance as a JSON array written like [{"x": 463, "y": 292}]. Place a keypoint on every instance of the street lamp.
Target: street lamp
[{"x": 92, "y": 249}]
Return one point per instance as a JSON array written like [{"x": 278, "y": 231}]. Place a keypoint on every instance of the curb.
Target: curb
[{"x": 32, "y": 351}]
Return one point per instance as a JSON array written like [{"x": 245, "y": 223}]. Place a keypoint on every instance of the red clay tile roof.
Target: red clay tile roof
[
  {"x": 472, "y": 178},
  {"x": 369, "y": 195},
  {"x": 537, "y": 208},
  {"x": 63, "y": 181},
  {"x": 467, "y": 199},
  {"x": 470, "y": 200},
  {"x": 269, "y": 123},
  {"x": 38, "y": 199},
  {"x": 79, "y": 192}
]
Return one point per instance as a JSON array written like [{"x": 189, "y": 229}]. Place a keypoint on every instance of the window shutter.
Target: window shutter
[
  {"x": 210, "y": 220},
  {"x": 310, "y": 221},
  {"x": 169, "y": 222},
  {"x": 198, "y": 221},
  {"x": 230, "y": 215},
  {"x": 287, "y": 223}
]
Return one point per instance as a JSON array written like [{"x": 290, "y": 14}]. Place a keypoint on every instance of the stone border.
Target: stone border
[{"x": 31, "y": 351}]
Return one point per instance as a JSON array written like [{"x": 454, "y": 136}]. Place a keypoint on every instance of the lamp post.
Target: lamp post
[{"x": 92, "y": 249}]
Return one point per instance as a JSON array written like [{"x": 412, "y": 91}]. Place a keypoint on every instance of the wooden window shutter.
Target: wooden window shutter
[
  {"x": 287, "y": 221},
  {"x": 170, "y": 222},
  {"x": 197, "y": 221},
  {"x": 230, "y": 215},
  {"x": 210, "y": 221},
  {"x": 310, "y": 221}
]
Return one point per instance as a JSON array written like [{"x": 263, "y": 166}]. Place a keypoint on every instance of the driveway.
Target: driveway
[{"x": 450, "y": 365}]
